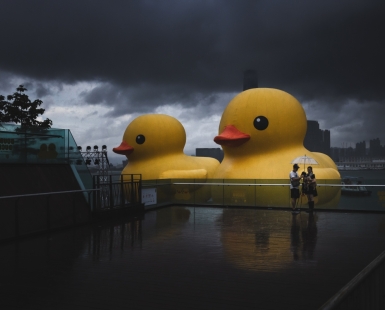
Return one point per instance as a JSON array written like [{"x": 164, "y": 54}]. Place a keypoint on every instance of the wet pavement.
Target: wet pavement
[{"x": 192, "y": 258}]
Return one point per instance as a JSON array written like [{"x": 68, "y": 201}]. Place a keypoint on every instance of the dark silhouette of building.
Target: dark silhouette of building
[
  {"x": 326, "y": 141},
  {"x": 316, "y": 139},
  {"x": 375, "y": 148},
  {"x": 360, "y": 149},
  {"x": 361, "y": 153},
  {"x": 250, "y": 79},
  {"x": 216, "y": 153}
]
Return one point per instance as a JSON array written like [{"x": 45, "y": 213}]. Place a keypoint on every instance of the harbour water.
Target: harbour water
[
  {"x": 368, "y": 175},
  {"x": 192, "y": 258}
]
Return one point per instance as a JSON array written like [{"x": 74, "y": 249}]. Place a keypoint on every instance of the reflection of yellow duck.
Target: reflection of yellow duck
[
  {"x": 153, "y": 144},
  {"x": 252, "y": 241},
  {"x": 261, "y": 133}
]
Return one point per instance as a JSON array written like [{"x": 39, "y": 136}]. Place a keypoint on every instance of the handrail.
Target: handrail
[
  {"x": 278, "y": 184},
  {"x": 50, "y": 193},
  {"x": 349, "y": 288},
  {"x": 119, "y": 193}
]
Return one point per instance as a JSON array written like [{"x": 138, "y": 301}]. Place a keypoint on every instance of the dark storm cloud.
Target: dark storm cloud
[
  {"x": 144, "y": 98},
  {"x": 148, "y": 53}
]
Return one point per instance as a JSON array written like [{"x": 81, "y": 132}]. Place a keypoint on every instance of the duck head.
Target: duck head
[
  {"x": 261, "y": 120},
  {"x": 152, "y": 135}
]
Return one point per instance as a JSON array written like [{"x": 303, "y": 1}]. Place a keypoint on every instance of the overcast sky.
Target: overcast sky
[{"x": 99, "y": 64}]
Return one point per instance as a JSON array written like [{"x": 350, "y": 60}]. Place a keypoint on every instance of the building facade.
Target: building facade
[{"x": 216, "y": 153}]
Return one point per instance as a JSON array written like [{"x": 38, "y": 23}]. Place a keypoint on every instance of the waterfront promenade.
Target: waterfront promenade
[{"x": 192, "y": 258}]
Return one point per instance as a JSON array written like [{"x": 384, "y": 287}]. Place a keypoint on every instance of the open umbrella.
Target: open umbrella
[{"x": 304, "y": 160}]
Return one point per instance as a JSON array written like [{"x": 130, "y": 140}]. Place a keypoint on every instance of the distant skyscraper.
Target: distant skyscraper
[
  {"x": 250, "y": 79},
  {"x": 360, "y": 149},
  {"x": 326, "y": 141},
  {"x": 317, "y": 140},
  {"x": 375, "y": 148}
]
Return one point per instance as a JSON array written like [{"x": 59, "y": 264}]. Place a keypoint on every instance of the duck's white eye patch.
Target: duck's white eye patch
[
  {"x": 140, "y": 139},
  {"x": 261, "y": 122}
]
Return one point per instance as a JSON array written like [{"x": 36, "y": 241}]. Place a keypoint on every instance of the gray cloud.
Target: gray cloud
[{"x": 146, "y": 54}]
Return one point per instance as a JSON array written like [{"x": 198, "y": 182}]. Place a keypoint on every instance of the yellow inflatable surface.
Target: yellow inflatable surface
[
  {"x": 153, "y": 145},
  {"x": 262, "y": 132}
]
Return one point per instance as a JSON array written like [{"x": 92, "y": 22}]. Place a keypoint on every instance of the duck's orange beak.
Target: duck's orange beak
[
  {"x": 123, "y": 149},
  {"x": 231, "y": 136}
]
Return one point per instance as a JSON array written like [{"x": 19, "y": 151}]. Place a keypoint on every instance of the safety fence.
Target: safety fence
[
  {"x": 115, "y": 193},
  {"x": 365, "y": 291}
]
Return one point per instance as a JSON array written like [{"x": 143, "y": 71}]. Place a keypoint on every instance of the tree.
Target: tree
[{"x": 19, "y": 109}]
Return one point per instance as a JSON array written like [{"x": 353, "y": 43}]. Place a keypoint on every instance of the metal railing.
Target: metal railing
[
  {"x": 365, "y": 291},
  {"x": 39, "y": 213},
  {"x": 118, "y": 193},
  {"x": 48, "y": 194}
]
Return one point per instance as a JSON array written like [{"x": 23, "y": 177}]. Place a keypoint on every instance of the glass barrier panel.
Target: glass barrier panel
[
  {"x": 203, "y": 192},
  {"x": 163, "y": 191},
  {"x": 272, "y": 193},
  {"x": 331, "y": 195},
  {"x": 31, "y": 146},
  {"x": 8, "y": 142},
  {"x": 75, "y": 158},
  {"x": 239, "y": 195},
  {"x": 217, "y": 191},
  {"x": 48, "y": 146}
]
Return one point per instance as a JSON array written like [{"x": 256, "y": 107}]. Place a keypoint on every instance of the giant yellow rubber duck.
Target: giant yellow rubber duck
[
  {"x": 153, "y": 145},
  {"x": 261, "y": 132}
]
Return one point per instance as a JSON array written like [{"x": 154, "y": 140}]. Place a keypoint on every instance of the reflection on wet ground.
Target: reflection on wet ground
[{"x": 192, "y": 258}]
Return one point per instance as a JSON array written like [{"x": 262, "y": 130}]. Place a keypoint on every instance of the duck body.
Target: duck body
[
  {"x": 172, "y": 167},
  {"x": 261, "y": 132},
  {"x": 271, "y": 165},
  {"x": 153, "y": 145}
]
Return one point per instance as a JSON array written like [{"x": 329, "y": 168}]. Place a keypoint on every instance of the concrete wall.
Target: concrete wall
[{"x": 22, "y": 216}]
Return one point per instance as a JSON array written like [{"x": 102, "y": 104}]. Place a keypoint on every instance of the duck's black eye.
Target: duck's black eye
[
  {"x": 261, "y": 122},
  {"x": 140, "y": 139}
]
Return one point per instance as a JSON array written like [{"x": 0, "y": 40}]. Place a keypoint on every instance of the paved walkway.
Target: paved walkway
[{"x": 192, "y": 258}]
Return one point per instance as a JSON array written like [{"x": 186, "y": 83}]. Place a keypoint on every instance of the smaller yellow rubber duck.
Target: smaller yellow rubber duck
[{"x": 153, "y": 145}]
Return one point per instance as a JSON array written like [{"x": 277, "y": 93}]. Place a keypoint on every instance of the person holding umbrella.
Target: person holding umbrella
[
  {"x": 294, "y": 186},
  {"x": 311, "y": 190}
]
